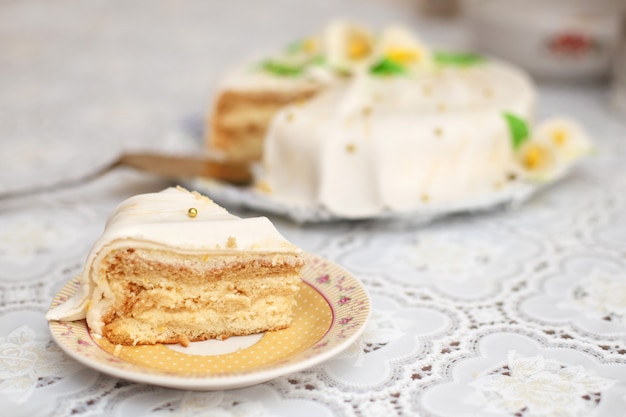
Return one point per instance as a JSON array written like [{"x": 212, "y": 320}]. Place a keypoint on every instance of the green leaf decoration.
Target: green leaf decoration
[
  {"x": 518, "y": 129},
  {"x": 281, "y": 69},
  {"x": 386, "y": 67},
  {"x": 458, "y": 59}
]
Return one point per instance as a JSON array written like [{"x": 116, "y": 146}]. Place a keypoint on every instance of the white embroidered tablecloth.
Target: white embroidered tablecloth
[{"x": 517, "y": 312}]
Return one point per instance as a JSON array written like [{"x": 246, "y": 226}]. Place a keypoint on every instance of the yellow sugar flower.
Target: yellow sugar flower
[
  {"x": 349, "y": 47},
  {"x": 403, "y": 56},
  {"x": 311, "y": 46},
  {"x": 537, "y": 159},
  {"x": 566, "y": 137},
  {"x": 358, "y": 47},
  {"x": 559, "y": 137},
  {"x": 399, "y": 45},
  {"x": 552, "y": 149}
]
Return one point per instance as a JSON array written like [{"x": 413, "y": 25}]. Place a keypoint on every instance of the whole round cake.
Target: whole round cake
[{"x": 359, "y": 123}]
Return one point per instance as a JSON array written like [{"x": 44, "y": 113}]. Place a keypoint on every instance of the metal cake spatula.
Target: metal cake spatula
[
  {"x": 170, "y": 166},
  {"x": 174, "y": 166}
]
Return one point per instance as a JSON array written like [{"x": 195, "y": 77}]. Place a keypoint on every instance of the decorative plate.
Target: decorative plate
[{"x": 332, "y": 312}]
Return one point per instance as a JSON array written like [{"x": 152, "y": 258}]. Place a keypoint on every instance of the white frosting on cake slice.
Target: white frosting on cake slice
[{"x": 162, "y": 221}]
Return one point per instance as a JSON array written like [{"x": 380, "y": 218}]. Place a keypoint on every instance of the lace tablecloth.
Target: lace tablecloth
[{"x": 517, "y": 312}]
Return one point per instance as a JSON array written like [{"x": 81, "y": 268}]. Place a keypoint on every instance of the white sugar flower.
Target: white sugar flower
[
  {"x": 567, "y": 138},
  {"x": 538, "y": 160},
  {"x": 349, "y": 47},
  {"x": 399, "y": 45},
  {"x": 554, "y": 146}
]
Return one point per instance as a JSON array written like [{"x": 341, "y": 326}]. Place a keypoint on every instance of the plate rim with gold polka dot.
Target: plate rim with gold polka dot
[{"x": 333, "y": 310}]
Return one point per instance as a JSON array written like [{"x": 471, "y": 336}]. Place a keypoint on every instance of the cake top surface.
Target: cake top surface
[
  {"x": 444, "y": 92},
  {"x": 344, "y": 50}
]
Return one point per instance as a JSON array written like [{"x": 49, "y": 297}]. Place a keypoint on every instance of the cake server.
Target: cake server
[
  {"x": 170, "y": 166},
  {"x": 175, "y": 166}
]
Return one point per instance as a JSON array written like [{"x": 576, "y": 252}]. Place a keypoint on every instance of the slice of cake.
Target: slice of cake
[{"x": 174, "y": 267}]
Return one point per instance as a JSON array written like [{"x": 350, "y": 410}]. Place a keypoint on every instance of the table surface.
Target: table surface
[{"x": 512, "y": 312}]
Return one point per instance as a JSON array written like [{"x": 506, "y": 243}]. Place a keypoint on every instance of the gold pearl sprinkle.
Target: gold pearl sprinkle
[{"x": 192, "y": 212}]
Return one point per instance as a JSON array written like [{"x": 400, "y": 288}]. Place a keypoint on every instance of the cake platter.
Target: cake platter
[
  {"x": 232, "y": 196},
  {"x": 332, "y": 312}
]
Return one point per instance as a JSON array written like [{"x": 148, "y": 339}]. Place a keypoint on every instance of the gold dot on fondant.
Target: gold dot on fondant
[
  {"x": 488, "y": 92},
  {"x": 425, "y": 198},
  {"x": 427, "y": 89},
  {"x": 438, "y": 131},
  {"x": 367, "y": 111},
  {"x": 441, "y": 107},
  {"x": 263, "y": 186},
  {"x": 289, "y": 117},
  {"x": 350, "y": 148},
  {"x": 192, "y": 212}
]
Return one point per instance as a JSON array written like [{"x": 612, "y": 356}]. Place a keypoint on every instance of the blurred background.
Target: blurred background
[
  {"x": 82, "y": 81},
  {"x": 557, "y": 41}
]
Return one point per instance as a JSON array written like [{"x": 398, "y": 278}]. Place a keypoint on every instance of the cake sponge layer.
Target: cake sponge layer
[
  {"x": 240, "y": 120},
  {"x": 164, "y": 297}
]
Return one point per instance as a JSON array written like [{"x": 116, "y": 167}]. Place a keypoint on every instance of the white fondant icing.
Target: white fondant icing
[
  {"x": 396, "y": 127},
  {"x": 398, "y": 142}
]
